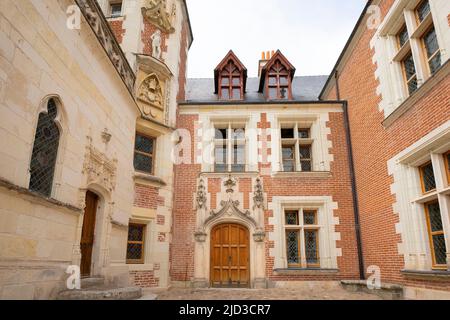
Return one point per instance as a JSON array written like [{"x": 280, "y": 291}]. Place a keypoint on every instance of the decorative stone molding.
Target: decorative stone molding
[
  {"x": 258, "y": 197},
  {"x": 230, "y": 183},
  {"x": 99, "y": 169},
  {"x": 106, "y": 136},
  {"x": 98, "y": 23},
  {"x": 201, "y": 195},
  {"x": 231, "y": 208},
  {"x": 200, "y": 236},
  {"x": 155, "y": 11},
  {"x": 259, "y": 236},
  {"x": 151, "y": 93}
]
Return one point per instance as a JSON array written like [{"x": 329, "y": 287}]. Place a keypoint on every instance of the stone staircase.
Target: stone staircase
[{"x": 96, "y": 289}]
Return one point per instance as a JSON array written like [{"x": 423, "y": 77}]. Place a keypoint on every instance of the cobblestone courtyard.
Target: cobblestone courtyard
[{"x": 333, "y": 293}]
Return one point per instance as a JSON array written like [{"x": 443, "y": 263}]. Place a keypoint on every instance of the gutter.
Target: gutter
[
  {"x": 347, "y": 45},
  {"x": 354, "y": 192}
]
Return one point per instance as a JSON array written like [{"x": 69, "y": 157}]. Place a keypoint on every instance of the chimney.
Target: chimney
[{"x": 265, "y": 57}]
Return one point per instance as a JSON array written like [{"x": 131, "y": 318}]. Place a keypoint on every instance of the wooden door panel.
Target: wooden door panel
[
  {"x": 87, "y": 233},
  {"x": 230, "y": 256}
]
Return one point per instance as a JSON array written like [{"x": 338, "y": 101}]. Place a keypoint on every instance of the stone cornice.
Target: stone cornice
[{"x": 98, "y": 23}]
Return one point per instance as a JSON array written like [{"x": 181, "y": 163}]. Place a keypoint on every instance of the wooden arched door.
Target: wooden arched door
[{"x": 230, "y": 256}]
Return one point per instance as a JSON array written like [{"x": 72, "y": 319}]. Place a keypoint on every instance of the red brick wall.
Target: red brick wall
[
  {"x": 183, "y": 62},
  {"x": 147, "y": 197},
  {"x": 374, "y": 146},
  {"x": 117, "y": 28},
  {"x": 184, "y": 215}
]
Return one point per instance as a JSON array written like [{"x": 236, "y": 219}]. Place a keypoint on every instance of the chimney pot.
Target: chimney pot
[{"x": 268, "y": 55}]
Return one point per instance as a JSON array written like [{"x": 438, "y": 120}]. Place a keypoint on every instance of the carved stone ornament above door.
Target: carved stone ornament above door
[{"x": 155, "y": 11}]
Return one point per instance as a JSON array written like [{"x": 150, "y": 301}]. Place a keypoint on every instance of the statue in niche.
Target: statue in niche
[
  {"x": 156, "y": 45},
  {"x": 151, "y": 92}
]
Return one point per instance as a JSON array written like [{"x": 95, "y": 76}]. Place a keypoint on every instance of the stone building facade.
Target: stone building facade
[{"x": 113, "y": 161}]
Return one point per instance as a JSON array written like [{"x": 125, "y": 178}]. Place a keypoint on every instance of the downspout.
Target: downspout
[{"x": 354, "y": 192}]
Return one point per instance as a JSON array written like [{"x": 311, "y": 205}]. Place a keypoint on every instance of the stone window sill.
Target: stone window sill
[
  {"x": 427, "y": 275},
  {"x": 299, "y": 174},
  {"x": 149, "y": 179},
  {"x": 305, "y": 271},
  {"x": 140, "y": 267}
]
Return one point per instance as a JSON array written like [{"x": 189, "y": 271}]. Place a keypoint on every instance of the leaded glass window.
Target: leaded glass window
[
  {"x": 311, "y": 248},
  {"x": 302, "y": 234},
  {"x": 45, "y": 151},
  {"x": 144, "y": 151},
  {"x": 136, "y": 243},
  {"x": 288, "y": 153},
  {"x": 423, "y": 10},
  {"x": 403, "y": 37},
  {"x": 306, "y": 157},
  {"x": 293, "y": 248},
  {"x": 436, "y": 234},
  {"x": 410, "y": 73},
  {"x": 427, "y": 178},
  {"x": 432, "y": 50},
  {"x": 296, "y": 148}
]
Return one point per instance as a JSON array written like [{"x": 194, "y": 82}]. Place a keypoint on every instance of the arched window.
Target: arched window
[
  {"x": 231, "y": 82},
  {"x": 45, "y": 150},
  {"x": 278, "y": 82}
]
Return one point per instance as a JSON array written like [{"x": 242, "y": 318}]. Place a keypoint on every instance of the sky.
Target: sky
[{"x": 311, "y": 34}]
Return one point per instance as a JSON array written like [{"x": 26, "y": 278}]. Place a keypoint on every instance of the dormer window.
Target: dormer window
[
  {"x": 278, "y": 83},
  {"x": 276, "y": 78},
  {"x": 230, "y": 78}
]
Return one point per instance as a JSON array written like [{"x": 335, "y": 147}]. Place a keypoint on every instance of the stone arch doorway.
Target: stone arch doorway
[{"x": 230, "y": 256}]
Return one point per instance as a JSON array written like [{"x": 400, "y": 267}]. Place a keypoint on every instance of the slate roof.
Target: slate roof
[{"x": 305, "y": 88}]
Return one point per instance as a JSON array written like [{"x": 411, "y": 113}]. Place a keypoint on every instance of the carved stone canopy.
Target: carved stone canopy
[
  {"x": 155, "y": 11},
  {"x": 99, "y": 169},
  {"x": 231, "y": 208}
]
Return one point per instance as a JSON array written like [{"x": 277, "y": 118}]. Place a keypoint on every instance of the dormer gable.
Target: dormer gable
[
  {"x": 276, "y": 78},
  {"x": 230, "y": 78}
]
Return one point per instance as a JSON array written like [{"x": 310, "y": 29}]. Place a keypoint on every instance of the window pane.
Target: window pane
[
  {"x": 134, "y": 251},
  {"x": 239, "y": 133},
  {"x": 225, "y": 81},
  {"x": 273, "y": 81},
  {"x": 293, "y": 254},
  {"x": 283, "y": 81},
  {"x": 429, "y": 183},
  {"x": 410, "y": 69},
  {"x": 288, "y": 153},
  {"x": 435, "y": 63},
  {"x": 311, "y": 247},
  {"x": 45, "y": 151},
  {"x": 273, "y": 93},
  {"x": 287, "y": 133},
  {"x": 236, "y": 93},
  {"x": 221, "y": 159},
  {"x": 136, "y": 232},
  {"x": 238, "y": 159},
  {"x": 306, "y": 165},
  {"x": 221, "y": 134},
  {"x": 403, "y": 37},
  {"x": 431, "y": 43},
  {"x": 236, "y": 81},
  {"x": 309, "y": 217},
  {"x": 423, "y": 10},
  {"x": 225, "y": 93},
  {"x": 288, "y": 166},
  {"x": 448, "y": 166},
  {"x": 305, "y": 152},
  {"x": 412, "y": 85},
  {"x": 303, "y": 133},
  {"x": 434, "y": 216},
  {"x": 116, "y": 10},
  {"x": 292, "y": 218},
  {"x": 439, "y": 249},
  {"x": 144, "y": 144},
  {"x": 143, "y": 163}
]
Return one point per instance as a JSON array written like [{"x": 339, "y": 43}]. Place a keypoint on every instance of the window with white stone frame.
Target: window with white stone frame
[
  {"x": 422, "y": 189},
  {"x": 304, "y": 234},
  {"x": 296, "y": 147},
  {"x": 410, "y": 47},
  {"x": 230, "y": 147},
  {"x": 115, "y": 8}
]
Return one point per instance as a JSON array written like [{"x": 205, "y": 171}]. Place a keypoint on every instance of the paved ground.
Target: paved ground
[{"x": 335, "y": 293}]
